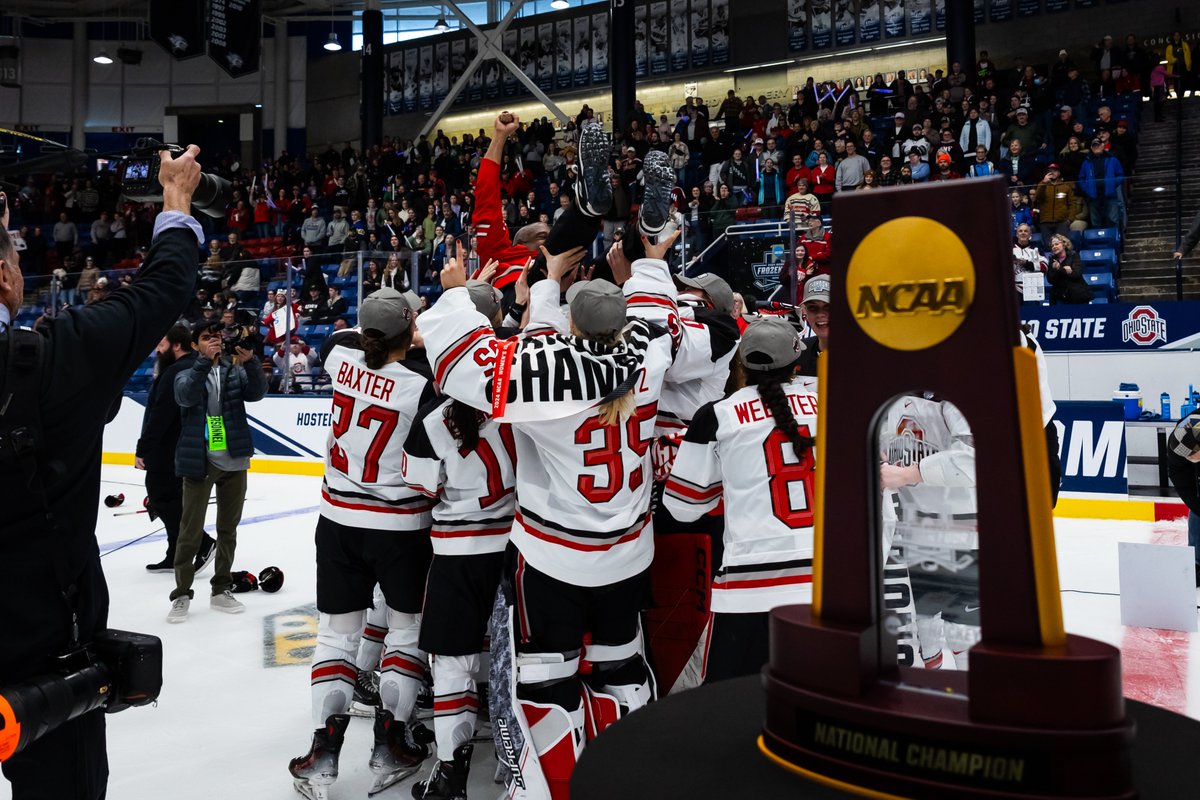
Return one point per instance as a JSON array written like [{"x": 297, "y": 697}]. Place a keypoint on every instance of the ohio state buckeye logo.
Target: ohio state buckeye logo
[{"x": 1144, "y": 327}]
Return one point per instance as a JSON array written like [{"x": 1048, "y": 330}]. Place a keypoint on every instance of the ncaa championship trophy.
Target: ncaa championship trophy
[{"x": 1040, "y": 713}]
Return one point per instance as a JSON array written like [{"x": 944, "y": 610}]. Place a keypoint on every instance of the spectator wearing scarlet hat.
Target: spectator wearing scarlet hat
[
  {"x": 945, "y": 169},
  {"x": 950, "y": 147}
]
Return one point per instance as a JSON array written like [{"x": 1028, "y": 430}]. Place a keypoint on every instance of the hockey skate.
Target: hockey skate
[
  {"x": 448, "y": 780},
  {"x": 593, "y": 190},
  {"x": 397, "y": 754},
  {"x": 366, "y": 694},
  {"x": 316, "y": 771},
  {"x": 657, "y": 199}
]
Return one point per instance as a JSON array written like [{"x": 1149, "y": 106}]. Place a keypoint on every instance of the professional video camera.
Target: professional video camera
[
  {"x": 139, "y": 179},
  {"x": 117, "y": 670},
  {"x": 242, "y": 333}
]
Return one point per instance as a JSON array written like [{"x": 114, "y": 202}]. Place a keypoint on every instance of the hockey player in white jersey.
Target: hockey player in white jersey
[
  {"x": 754, "y": 450},
  {"x": 459, "y": 456},
  {"x": 372, "y": 529},
  {"x": 582, "y": 407}
]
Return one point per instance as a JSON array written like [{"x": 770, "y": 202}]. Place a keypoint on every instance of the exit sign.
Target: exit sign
[{"x": 122, "y": 128}]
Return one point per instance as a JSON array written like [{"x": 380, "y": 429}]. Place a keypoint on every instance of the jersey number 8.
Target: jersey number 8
[{"x": 784, "y": 471}]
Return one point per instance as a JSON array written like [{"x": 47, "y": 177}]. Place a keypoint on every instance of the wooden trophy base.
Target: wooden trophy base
[{"x": 1021, "y": 724}]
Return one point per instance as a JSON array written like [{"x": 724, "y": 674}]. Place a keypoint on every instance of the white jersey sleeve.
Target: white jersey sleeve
[
  {"x": 694, "y": 486},
  {"x": 474, "y": 487},
  {"x": 373, "y": 410},
  {"x": 461, "y": 347}
]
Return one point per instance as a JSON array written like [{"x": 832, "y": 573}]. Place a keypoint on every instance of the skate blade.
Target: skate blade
[
  {"x": 384, "y": 781},
  {"x": 313, "y": 791},
  {"x": 358, "y": 709}
]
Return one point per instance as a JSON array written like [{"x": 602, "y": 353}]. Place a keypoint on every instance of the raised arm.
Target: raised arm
[{"x": 459, "y": 341}]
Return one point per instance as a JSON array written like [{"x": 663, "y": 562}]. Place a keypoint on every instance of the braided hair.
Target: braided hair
[
  {"x": 376, "y": 349},
  {"x": 770, "y": 389}
]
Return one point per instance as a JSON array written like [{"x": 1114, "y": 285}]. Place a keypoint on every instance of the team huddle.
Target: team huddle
[{"x": 499, "y": 468}]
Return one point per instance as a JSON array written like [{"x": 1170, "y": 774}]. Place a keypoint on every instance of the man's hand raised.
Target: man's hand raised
[
  {"x": 453, "y": 273},
  {"x": 506, "y": 124},
  {"x": 179, "y": 178}
]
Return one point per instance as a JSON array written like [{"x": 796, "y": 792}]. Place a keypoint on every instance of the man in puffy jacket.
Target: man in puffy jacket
[{"x": 1101, "y": 181}]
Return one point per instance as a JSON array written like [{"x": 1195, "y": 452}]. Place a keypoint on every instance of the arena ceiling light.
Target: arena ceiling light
[
  {"x": 559, "y": 4},
  {"x": 103, "y": 57},
  {"x": 441, "y": 26},
  {"x": 333, "y": 45}
]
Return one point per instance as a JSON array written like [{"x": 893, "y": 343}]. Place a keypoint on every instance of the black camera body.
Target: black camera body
[
  {"x": 242, "y": 333},
  {"x": 140, "y": 183},
  {"x": 116, "y": 671}
]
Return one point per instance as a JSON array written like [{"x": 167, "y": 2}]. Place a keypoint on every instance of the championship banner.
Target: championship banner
[
  {"x": 583, "y": 51},
  {"x": 846, "y": 22},
  {"x": 410, "y": 81},
  {"x": 599, "y": 48},
  {"x": 1092, "y": 448},
  {"x": 474, "y": 92},
  {"x": 821, "y": 20},
  {"x": 868, "y": 21},
  {"x": 545, "y": 52},
  {"x": 1053, "y": 6},
  {"x": 178, "y": 27},
  {"x": 425, "y": 79},
  {"x": 458, "y": 65},
  {"x": 641, "y": 43},
  {"x": 893, "y": 17},
  {"x": 659, "y": 64},
  {"x": 395, "y": 82},
  {"x": 797, "y": 25},
  {"x": 1001, "y": 10},
  {"x": 515, "y": 53},
  {"x": 980, "y": 15},
  {"x": 920, "y": 16},
  {"x": 939, "y": 14},
  {"x": 234, "y": 34},
  {"x": 564, "y": 61},
  {"x": 529, "y": 57},
  {"x": 679, "y": 35},
  {"x": 441, "y": 72},
  {"x": 1029, "y": 8},
  {"x": 719, "y": 48},
  {"x": 700, "y": 41},
  {"x": 1086, "y": 3},
  {"x": 1118, "y": 326}
]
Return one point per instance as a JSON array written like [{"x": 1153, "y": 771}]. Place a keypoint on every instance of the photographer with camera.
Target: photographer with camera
[
  {"x": 58, "y": 389},
  {"x": 214, "y": 450}
]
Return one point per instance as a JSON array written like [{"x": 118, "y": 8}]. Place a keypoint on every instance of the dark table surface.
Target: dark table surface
[{"x": 703, "y": 743}]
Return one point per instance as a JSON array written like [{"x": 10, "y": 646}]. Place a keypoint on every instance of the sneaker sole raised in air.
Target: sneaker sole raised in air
[
  {"x": 594, "y": 149},
  {"x": 659, "y": 181}
]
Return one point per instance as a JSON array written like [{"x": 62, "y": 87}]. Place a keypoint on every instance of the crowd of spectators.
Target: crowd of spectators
[{"x": 1050, "y": 131}]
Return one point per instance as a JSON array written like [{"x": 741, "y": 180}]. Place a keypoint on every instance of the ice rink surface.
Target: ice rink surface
[{"x": 235, "y": 701}]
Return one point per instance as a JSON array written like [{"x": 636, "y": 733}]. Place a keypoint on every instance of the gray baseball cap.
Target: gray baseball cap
[
  {"x": 485, "y": 297},
  {"x": 714, "y": 286},
  {"x": 769, "y": 343},
  {"x": 597, "y": 307},
  {"x": 816, "y": 288},
  {"x": 386, "y": 311},
  {"x": 414, "y": 300}
]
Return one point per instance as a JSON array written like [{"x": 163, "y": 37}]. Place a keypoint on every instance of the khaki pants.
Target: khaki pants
[{"x": 231, "y": 495}]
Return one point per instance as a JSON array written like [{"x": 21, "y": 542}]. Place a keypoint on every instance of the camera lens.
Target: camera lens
[{"x": 212, "y": 195}]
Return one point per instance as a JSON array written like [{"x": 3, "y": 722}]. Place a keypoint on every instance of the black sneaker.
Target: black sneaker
[
  {"x": 166, "y": 565},
  {"x": 206, "y": 553},
  {"x": 659, "y": 183},
  {"x": 593, "y": 189}
]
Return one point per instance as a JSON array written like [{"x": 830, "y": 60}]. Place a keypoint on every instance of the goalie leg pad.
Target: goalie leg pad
[
  {"x": 333, "y": 671},
  {"x": 621, "y": 672}
]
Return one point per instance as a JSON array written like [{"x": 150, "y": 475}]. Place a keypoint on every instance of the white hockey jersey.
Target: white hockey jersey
[
  {"x": 373, "y": 411},
  {"x": 733, "y": 451},
  {"x": 583, "y": 488},
  {"x": 473, "y": 487}
]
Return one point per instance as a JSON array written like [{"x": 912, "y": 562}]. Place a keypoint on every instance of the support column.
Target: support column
[
  {"x": 79, "y": 83},
  {"x": 620, "y": 62},
  {"x": 372, "y": 76},
  {"x": 283, "y": 77},
  {"x": 960, "y": 34}
]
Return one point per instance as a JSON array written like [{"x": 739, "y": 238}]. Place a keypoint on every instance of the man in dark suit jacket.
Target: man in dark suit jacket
[
  {"x": 156, "y": 446},
  {"x": 55, "y": 598}
]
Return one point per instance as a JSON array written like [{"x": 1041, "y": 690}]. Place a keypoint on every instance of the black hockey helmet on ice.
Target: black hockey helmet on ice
[{"x": 270, "y": 579}]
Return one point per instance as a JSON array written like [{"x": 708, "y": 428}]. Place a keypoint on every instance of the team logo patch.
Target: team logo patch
[
  {"x": 290, "y": 637},
  {"x": 1144, "y": 327}
]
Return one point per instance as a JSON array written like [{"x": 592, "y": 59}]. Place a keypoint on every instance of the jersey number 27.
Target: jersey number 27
[{"x": 343, "y": 410}]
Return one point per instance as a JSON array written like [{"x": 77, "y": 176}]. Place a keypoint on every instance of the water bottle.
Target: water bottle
[{"x": 1165, "y": 399}]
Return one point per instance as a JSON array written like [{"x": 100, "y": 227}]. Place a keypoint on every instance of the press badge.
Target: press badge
[{"x": 215, "y": 433}]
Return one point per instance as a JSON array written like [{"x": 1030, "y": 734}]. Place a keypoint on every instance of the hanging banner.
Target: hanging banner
[
  {"x": 868, "y": 21},
  {"x": 395, "y": 82},
  {"x": 516, "y": 54},
  {"x": 410, "y": 81},
  {"x": 939, "y": 14},
  {"x": 600, "y": 48},
  {"x": 920, "y": 16},
  {"x": 458, "y": 66},
  {"x": 679, "y": 35},
  {"x": 980, "y": 11},
  {"x": 659, "y": 63},
  {"x": 845, "y": 22},
  {"x": 700, "y": 41},
  {"x": 234, "y": 34},
  {"x": 822, "y": 24},
  {"x": 583, "y": 51},
  {"x": 529, "y": 57},
  {"x": 1001, "y": 10},
  {"x": 719, "y": 48},
  {"x": 1086, "y": 3},
  {"x": 178, "y": 27},
  {"x": 425, "y": 80},
  {"x": 475, "y": 85},
  {"x": 641, "y": 44},
  {"x": 1028, "y": 8},
  {"x": 545, "y": 51},
  {"x": 797, "y": 25},
  {"x": 1057, "y": 5},
  {"x": 893, "y": 17},
  {"x": 441, "y": 72},
  {"x": 564, "y": 44}
]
